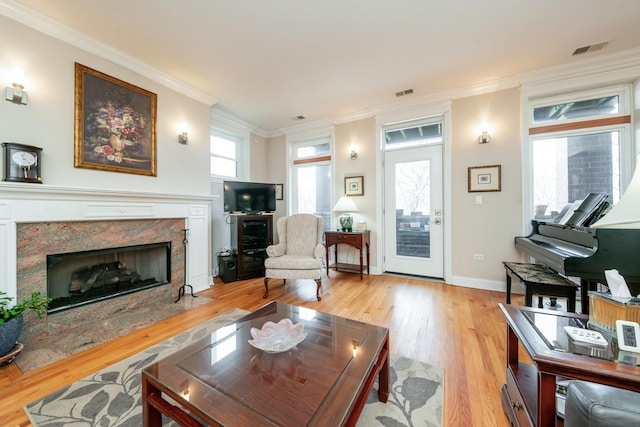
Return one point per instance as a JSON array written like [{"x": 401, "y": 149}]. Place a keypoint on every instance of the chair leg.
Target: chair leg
[
  {"x": 266, "y": 288},
  {"x": 319, "y": 283}
]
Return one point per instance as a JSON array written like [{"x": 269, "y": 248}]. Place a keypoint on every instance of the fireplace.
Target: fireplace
[
  {"x": 40, "y": 220},
  {"x": 60, "y": 244},
  {"x": 84, "y": 277}
]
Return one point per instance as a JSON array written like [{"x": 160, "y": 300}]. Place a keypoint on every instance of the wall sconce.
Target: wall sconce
[
  {"x": 484, "y": 137},
  {"x": 16, "y": 93},
  {"x": 354, "y": 152},
  {"x": 183, "y": 135}
]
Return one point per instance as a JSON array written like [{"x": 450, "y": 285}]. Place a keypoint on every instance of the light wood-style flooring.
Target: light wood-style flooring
[{"x": 457, "y": 328}]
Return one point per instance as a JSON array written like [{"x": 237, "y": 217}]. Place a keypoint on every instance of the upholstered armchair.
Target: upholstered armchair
[{"x": 299, "y": 252}]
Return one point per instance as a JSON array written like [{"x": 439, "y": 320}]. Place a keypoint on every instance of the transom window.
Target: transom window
[
  {"x": 588, "y": 108},
  {"x": 413, "y": 133}
]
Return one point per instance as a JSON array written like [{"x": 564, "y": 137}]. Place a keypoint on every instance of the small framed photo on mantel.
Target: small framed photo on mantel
[{"x": 484, "y": 178}]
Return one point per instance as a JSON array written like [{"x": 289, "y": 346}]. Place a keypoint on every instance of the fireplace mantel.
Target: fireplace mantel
[{"x": 20, "y": 203}]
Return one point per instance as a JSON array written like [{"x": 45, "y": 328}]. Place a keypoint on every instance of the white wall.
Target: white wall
[{"x": 48, "y": 120}]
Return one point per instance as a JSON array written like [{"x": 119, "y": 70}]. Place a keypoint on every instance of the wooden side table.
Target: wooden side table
[
  {"x": 356, "y": 239},
  {"x": 529, "y": 395}
]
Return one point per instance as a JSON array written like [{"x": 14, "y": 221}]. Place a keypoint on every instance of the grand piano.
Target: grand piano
[{"x": 584, "y": 252}]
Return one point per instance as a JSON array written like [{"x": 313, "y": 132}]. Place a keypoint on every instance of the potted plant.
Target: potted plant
[{"x": 11, "y": 320}]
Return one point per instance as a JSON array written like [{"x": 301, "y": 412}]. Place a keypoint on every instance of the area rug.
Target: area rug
[{"x": 112, "y": 396}]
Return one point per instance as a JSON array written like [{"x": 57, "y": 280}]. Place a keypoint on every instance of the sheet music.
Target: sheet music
[{"x": 582, "y": 213}]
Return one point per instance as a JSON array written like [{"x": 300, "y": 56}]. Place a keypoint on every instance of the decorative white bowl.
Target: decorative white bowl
[{"x": 277, "y": 337}]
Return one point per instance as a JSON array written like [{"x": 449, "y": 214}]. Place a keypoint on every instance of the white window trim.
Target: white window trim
[
  {"x": 627, "y": 149},
  {"x": 408, "y": 124},
  {"x": 222, "y": 124},
  {"x": 624, "y": 105},
  {"x": 238, "y": 150},
  {"x": 308, "y": 137}
]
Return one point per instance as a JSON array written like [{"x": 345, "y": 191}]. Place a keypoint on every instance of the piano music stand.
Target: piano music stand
[{"x": 540, "y": 280}]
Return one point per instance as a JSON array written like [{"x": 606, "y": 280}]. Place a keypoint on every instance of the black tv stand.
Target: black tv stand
[{"x": 250, "y": 236}]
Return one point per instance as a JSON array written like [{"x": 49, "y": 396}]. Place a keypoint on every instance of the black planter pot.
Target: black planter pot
[{"x": 9, "y": 333}]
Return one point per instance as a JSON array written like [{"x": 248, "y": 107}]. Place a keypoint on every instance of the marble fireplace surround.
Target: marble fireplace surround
[{"x": 36, "y": 220}]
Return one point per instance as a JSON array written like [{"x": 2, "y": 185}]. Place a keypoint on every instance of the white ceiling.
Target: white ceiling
[{"x": 268, "y": 61}]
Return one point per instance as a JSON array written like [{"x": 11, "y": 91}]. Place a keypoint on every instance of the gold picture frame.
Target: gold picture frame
[
  {"x": 115, "y": 124},
  {"x": 484, "y": 178},
  {"x": 354, "y": 186}
]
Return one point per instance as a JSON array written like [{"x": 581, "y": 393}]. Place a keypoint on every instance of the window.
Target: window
[
  {"x": 311, "y": 173},
  {"x": 412, "y": 134},
  {"x": 578, "y": 145},
  {"x": 224, "y": 155}
]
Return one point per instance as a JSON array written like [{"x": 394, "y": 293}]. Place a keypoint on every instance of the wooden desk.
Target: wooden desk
[
  {"x": 529, "y": 396},
  {"x": 356, "y": 239}
]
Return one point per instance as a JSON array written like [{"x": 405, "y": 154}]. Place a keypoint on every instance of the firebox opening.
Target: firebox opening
[{"x": 79, "y": 278}]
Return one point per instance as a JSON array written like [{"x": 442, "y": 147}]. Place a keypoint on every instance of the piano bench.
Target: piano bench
[{"x": 540, "y": 280}]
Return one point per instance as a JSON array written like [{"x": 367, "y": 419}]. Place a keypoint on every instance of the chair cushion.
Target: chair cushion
[
  {"x": 293, "y": 262},
  {"x": 292, "y": 274}
]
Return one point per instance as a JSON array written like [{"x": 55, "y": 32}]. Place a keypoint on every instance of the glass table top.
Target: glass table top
[
  {"x": 295, "y": 387},
  {"x": 551, "y": 329}
]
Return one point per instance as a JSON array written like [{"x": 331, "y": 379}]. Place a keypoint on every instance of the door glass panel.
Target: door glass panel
[{"x": 412, "y": 209}]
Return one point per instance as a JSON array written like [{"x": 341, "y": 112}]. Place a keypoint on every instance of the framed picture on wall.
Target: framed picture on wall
[
  {"x": 354, "y": 186},
  {"x": 279, "y": 192},
  {"x": 484, "y": 178},
  {"x": 115, "y": 124}
]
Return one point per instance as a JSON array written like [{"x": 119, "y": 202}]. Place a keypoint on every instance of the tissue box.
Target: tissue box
[{"x": 604, "y": 311}]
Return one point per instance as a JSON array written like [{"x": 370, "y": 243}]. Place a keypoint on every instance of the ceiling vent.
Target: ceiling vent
[
  {"x": 404, "y": 92},
  {"x": 590, "y": 48}
]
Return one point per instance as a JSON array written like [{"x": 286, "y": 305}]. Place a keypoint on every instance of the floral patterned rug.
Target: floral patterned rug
[{"x": 112, "y": 396}]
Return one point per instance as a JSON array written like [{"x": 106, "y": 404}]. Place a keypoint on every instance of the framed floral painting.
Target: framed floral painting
[{"x": 115, "y": 124}]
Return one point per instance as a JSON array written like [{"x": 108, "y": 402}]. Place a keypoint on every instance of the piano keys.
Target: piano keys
[{"x": 585, "y": 253}]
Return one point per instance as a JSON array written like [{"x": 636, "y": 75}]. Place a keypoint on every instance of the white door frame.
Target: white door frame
[{"x": 442, "y": 109}]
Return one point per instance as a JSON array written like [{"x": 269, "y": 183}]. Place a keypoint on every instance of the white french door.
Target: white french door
[{"x": 413, "y": 228}]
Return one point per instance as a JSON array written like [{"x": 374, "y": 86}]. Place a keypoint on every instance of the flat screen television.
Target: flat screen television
[{"x": 249, "y": 197}]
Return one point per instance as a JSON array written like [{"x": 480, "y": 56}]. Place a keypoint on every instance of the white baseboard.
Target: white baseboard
[{"x": 488, "y": 285}]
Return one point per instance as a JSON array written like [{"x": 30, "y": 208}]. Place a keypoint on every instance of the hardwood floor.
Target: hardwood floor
[{"x": 457, "y": 328}]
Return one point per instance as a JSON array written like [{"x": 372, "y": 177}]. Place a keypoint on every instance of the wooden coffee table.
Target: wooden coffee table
[{"x": 222, "y": 380}]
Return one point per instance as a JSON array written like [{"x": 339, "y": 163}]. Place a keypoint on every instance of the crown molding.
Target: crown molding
[
  {"x": 309, "y": 130},
  {"x": 52, "y": 28},
  {"x": 485, "y": 87},
  {"x": 613, "y": 68},
  {"x": 230, "y": 123},
  {"x": 352, "y": 117}
]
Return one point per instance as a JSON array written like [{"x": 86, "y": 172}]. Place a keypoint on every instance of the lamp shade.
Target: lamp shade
[
  {"x": 626, "y": 213},
  {"x": 345, "y": 204}
]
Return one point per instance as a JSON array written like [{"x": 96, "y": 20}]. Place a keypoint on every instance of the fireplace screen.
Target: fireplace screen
[{"x": 79, "y": 278}]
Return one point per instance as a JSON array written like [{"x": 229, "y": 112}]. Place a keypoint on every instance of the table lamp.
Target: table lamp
[{"x": 346, "y": 205}]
